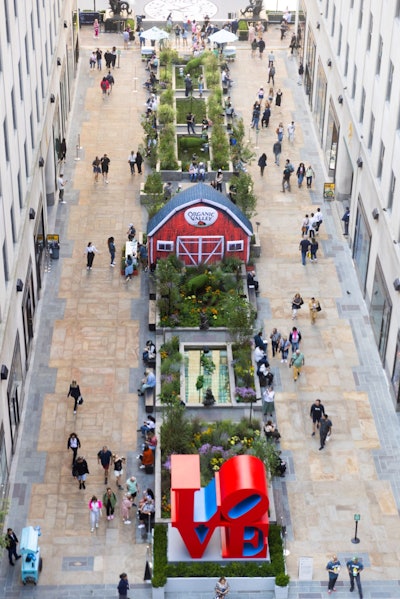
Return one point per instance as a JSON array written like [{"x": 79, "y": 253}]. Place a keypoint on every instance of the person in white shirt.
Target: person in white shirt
[
  {"x": 61, "y": 185},
  {"x": 291, "y": 128}
]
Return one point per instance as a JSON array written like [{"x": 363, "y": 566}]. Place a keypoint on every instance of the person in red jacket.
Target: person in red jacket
[{"x": 105, "y": 86}]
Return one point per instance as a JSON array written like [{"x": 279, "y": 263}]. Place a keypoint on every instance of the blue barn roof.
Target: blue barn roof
[{"x": 198, "y": 193}]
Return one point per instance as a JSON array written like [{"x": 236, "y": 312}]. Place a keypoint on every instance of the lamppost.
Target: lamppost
[{"x": 357, "y": 518}]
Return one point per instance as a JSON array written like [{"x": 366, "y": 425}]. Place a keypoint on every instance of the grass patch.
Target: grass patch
[{"x": 183, "y": 106}]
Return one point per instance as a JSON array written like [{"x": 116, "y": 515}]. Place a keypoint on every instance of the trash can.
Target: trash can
[{"x": 53, "y": 244}]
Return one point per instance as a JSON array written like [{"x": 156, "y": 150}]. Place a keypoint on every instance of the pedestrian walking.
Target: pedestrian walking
[
  {"x": 95, "y": 512},
  {"x": 297, "y": 302},
  {"x": 139, "y": 162},
  {"x": 271, "y": 58},
  {"x": 96, "y": 29},
  {"x": 118, "y": 469},
  {"x": 317, "y": 410},
  {"x": 104, "y": 457},
  {"x": 313, "y": 250},
  {"x": 96, "y": 164},
  {"x": 111, "y": 81},
  {"x": 125, "y": 36},
  {"x": 300, "y": 73},
  {"x": 109, "y": 502},
  {"x": 325, "y": 430},
  {"x": 318, "y": 220},
  {"x": 188, "y": 85},
  {"x": 132, "y": 162},
  {"x": 295, "y": 338},
  {"x": 271, "y": 74},
  {"x": 99, "y": 56},
  {"x": 275, "y": 337},
  {"x": 219, "y": 177},
  {"x": 126, "y": 505},
  {"x": 268, "y": 399},
  {"x": 277, "y": 150},
  {"x": 255, "y": 115},
  {"x": 261, "y": 48},
  {"x": 92, "y": 60},
  {"x": 355, "y": 567},
  {"x": 132, "y": 488},
  {"x": 279, "y": 132},
  {"x": 284, "y": 346},
  {"x": 123, "y": 586},
  {"x": 61, "y": 186},
  {"x": 11, "y": 544},
  {"x": 333, "y": 567},
  {"x": 287, "y": 171},
  {"x": 105, "y": 166},
  {"x": 346, "y": 219},
  {"x": 297, "y": 362},
  {"x": 130, "y": 264},
  {"x": 309, "y": 176},
  {"x": 75, "y": 392},
  {"x": 314, "y": 307},
  {"x": 111, "y": 249},
  {"x": 304, "y": 246},
  {"x": 262, "y": 163},
  {"x": 291, "y": 128},
  {"x": 105, "y": 87},
  {"x": 80, "y": 470},
  {"x": 73, "y": 444},
  {"x": 190, "y": 123},
  {"x": 266, "y": 116},
  {"x": 90, "y": 251},
  {"x": 62, "y": 153},
  {"x": 200, "y": 83},
  {"x": 278, "y": 97},
  {"x": 254, "y": 46},
  {"x": 301, "y": 171}
]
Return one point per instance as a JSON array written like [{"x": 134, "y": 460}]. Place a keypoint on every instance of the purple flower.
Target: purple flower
[{"x": 204, "y": 448}]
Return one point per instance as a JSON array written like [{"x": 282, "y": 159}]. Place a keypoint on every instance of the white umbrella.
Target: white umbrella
[
  {"x": 154, "y": 34},
  {"x": 222, "y": 37}
]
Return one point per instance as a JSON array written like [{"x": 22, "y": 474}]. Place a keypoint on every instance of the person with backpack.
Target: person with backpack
[
  {"x": 287, "y": 171},
  {"x": 262, "y": 163},
  {"x": 105, "y": 86},
  {"x": 111, "y": 81},
  {"x": 297, "y": 362},
  {"x": 295, "y": 338}
]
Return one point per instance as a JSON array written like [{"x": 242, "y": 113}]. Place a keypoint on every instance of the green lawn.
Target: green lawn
[{"x": 185, "y": 105}]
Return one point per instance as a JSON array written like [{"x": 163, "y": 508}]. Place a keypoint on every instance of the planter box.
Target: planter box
[
  {"x": 264, "y": 587},
  {"x": 281, "y": 592}
]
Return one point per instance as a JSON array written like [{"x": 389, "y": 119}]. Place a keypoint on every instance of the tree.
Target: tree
[
  {"x": 240, "y": 318},
  {"x": 245, "y": 198}
]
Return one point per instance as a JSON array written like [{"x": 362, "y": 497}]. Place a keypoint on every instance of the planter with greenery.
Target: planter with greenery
[
  {"x": 282, "y": 585},
  {"x": 243, "y": 31}
]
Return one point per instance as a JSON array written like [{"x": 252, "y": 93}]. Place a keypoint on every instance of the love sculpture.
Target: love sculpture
[{"x": 236, "y": 501}]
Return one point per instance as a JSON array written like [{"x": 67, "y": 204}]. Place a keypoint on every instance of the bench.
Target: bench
[
  {"x": 252, "y": 297},
  {"x": 149, "y": 397},
  {"x": 152, "y": 287},
  {"x": 152, "y": 314}
]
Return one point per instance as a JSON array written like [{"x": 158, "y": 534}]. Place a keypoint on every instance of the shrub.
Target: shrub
[
  {"x": 282, "y": 579},
  {"x": 220, "y": 148},
  {"x": 154, "y": 184},
  {"x": 166, "y": 150},
  {"x": 167, "y": 97},
  {"x": 245, "y": 198},
  {"x": 166, "y": 114}
]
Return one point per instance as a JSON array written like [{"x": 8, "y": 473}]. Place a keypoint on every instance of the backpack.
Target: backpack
[{"x": 104, "y": 85}]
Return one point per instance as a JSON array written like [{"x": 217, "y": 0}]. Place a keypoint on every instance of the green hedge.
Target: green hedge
[{"x": 247, "y": 569}]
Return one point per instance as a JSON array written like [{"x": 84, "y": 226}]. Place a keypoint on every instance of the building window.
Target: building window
[
  {"x": 397, "y": 12},
  {"x": 21, "y": 84},
  {"x": 20, "y": 196},
  {"x": 32, "y": 32},
  {"x": 27, "y": 54},
  {"x": 391, "y": 193},
  {"x": 339, "y": 46},
  {"x": 26, "y": 160},
  {"x": 361, "y": 246},
  {"x": 362, "y": 107},
  {"x": 3, "y": 467},
  {"x": 351, "y": 3},
  {"x": 14, "y": 113},
  {"x": 6, "y": 146},
  {"x": 380, "y": 310},
  {"x": 360, "y": 14},
  {"x": 12, "y": 219},
  {"x": 326, "y": 9},
  {"x": 165, "y": 246},
  {"x": 396, "y": 372},
  {"x": 389, "y": 82},
  {"x": 234, "y": 246},
  {"x": 38, "y": 13},
  {"x": 371, "y": 132},
  {"x": 37, "y": 105},
  {"x": 32, "y": 130},
  {"x": 370, "y": 28},
  {"x": 379, "y": 57},
  {"x": 5, "y": 262},
  {"x": 346, "y": 62},
  {"x": 7, "y": 21},
  {"x": 398, "y": 119},
  {"x": 354, "y": 86},
  {"x": 333, "y": 21},
  {"x": 42, "y": 80},
  {"x": 381, "y": 159}
]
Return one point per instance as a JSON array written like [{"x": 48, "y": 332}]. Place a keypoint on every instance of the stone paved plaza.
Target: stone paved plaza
[{"x": 93, "y": 327}]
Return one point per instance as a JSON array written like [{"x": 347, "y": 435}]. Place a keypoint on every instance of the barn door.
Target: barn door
[{"x": 197, "y": 250}]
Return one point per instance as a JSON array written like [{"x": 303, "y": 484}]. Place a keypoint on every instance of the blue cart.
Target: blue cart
[{"x": 31, "y": 563}]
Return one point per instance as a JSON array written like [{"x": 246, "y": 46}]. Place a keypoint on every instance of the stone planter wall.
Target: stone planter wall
[{"x": 247, "y": 587}]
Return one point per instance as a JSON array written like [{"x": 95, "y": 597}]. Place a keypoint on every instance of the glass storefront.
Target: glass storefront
[
  {"x": 3, "y": 468},
  {"x": 309, "y": 66},
  {"x": 14, "y": 393},
  {"x": 320, "y": 100},
  {"x": 380, "y": 310},
  {"x": 361, "y": 246},
  {"x": 396, "y": 373},
  {"x": 332, "y": 139}
]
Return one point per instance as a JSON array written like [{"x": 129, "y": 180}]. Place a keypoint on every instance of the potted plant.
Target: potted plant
[{"x": 282, "y": 585}]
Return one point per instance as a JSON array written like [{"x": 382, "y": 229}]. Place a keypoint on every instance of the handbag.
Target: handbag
[
  {"x": 319, "y": 308},
  {"x": 80, "y": 400}
]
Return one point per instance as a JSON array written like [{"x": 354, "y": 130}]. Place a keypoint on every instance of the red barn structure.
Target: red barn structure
[{"x": 199, "y": 225}]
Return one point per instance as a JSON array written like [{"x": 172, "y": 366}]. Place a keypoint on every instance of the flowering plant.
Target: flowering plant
[{"x": 246, "y": 394}]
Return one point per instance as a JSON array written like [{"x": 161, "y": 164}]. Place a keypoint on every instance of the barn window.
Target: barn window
[
  {"x": 165, "y": 246},
  {"x": 234, "y": 246}
]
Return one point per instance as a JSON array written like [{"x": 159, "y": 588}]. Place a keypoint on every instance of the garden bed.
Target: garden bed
[{"x": 197, "y": 106}]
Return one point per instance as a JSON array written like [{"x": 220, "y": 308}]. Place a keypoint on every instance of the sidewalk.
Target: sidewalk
[{"x": 93, "y": 327}]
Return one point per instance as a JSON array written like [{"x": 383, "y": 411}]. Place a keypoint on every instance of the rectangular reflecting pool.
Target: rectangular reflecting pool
[{"x": 218, "y": 380}]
